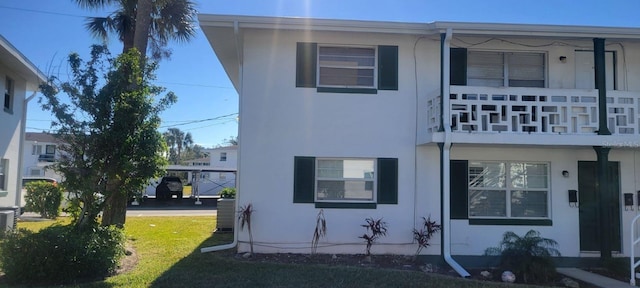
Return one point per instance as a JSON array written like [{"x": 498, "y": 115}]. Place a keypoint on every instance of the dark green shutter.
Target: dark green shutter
[
  {"x": 304, "y": 177},
  {"x": 306, "y": 59},
  {"x": 387, "y": 67},
  {"x": 458, "y": 72},
  {"x": 459, "y": 189},
  {"x": 387, "y": 181}
]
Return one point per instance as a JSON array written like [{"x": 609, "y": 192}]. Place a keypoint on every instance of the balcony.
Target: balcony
[
  {"x": 535, "y": 111},
  {"x": 47, "y": 158}
]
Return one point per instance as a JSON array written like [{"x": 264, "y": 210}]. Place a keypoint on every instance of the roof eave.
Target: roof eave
[{"x": 21, "y": 64}]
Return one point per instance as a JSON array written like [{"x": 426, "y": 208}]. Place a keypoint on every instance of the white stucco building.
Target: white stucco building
[
  {"x": 348, "y": 116},
  {"x": 39, "y": 152},
  {"x": 19, "y": 80}
]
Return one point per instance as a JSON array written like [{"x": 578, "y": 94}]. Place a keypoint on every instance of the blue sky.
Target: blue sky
[{"x": 46, "y": 31}]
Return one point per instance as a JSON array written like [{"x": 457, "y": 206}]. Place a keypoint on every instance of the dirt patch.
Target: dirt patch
[
  {"x": 397, "y": 262},
  {"x": 129, "y": 261}
]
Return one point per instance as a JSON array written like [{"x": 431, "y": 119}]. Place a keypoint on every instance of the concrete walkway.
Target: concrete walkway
[{"x": 592, "y": 278}]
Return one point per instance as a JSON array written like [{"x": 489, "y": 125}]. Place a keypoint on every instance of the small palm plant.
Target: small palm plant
[
  {"x": 378, "y": 228},
  {"x": 245, "y": 219},
  {"x": 423, "y": 236},
  {"x": 319, "y": 232},
  {"x": 529, "y": 256}
]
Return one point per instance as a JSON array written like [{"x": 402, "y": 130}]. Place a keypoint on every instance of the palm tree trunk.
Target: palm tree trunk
[{"x": 143, "y": 23}]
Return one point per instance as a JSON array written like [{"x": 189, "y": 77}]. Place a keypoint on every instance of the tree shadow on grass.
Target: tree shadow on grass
[{"x": 199, "y": 269}]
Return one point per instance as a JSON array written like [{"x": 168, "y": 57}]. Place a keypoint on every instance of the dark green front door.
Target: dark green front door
[{"x": 588, "y": 205}]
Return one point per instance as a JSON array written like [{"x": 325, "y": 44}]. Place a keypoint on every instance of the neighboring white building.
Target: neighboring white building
[
  {"x": 19, "y": 80},
  {"x": 347, "y": 116},
  {"x": 215, "y": 172},
  {"x": 40, "y": 151},
  {"x": 223, "y": 158}
]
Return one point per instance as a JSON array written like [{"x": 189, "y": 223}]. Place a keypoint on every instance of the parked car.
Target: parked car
[{"x": 169, "y": 186}]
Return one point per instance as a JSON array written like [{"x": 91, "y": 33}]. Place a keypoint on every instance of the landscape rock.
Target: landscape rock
[
  {"x": 427, "y": 268},
  {"x": 568, "y": 282},
  {"x": 486, "y": 274},
  {"x": 246, "y": 255},
  {"x": 508, "y": 277}
]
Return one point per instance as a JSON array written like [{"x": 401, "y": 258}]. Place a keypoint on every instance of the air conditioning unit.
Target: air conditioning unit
[
  {"x": 16, "y": 214},
  {"x": 6, "y": 220}
]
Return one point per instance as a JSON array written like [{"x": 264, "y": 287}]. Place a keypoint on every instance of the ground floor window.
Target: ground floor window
[
  {"x": 4, "y": 167},
  {"x": 345, "y": 182},
  {"x": 508, "y": 189}
]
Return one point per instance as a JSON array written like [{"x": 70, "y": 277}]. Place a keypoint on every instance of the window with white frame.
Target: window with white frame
[
  {"x": 36, "y": 149},
  {"x": 331, "y": 68},
  {"x": 4, "y": 170},
  {"x": 8, "y": 94},
  {"x": 223, "y": 156},
  {"x": 505, "y": 69},
  {"x": 35, "y": 172},
  {"x": 508, "y": 190},
  {"x": 343, "y": 66},
  {"x": 345, "y": 179}
]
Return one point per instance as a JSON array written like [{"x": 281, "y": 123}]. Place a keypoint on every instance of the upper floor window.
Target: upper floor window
[
  {"x": 346, "y": 66},
  {"x": 50, "y": 149},
  {"x": 497, "y": 69},
  {"x": 8, "y": 95},
  {"x": 36, "y": 149},
  {"x": 223, "y": 156},
  {"x": 347, "y": 69}
]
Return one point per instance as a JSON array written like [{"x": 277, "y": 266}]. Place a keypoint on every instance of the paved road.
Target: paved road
[{"x": 174, "y": 207}]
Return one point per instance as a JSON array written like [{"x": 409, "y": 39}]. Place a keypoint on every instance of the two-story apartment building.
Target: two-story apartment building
[
  {"x": 538, "y": 129},
  {"x": 224, "y": 163},
  {"x": 19, "y": 80},
  {"x": 40, "y": 151}
]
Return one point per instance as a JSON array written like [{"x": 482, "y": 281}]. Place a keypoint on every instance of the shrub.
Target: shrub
[
  {"x": 228, "y": 192},
  {"x": 61, "y": 254},
  {"x": 319, "y": 232},
  {"x": 423, "y": 236},
  {"x": 529, "y": 256},
  {"x": 378, "y": 228},
  {"x": 43, "y": 198}
]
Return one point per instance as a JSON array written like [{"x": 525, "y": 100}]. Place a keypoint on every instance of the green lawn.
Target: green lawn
[{"x": 169, "y": 256}]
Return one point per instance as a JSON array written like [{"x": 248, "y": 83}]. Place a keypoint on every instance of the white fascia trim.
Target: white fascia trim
[
  {"x": 460, "y": 28},
  {"x": 309, "y": 24}
]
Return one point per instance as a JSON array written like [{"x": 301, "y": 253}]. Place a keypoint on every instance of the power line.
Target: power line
[
  {"x": 199, "y": 121},
  {"x": 43, "y": 12},
  {"x": 193, "y": 84}
]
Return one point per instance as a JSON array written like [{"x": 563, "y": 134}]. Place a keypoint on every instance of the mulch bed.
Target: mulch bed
[{"x": 397, "y": 262}]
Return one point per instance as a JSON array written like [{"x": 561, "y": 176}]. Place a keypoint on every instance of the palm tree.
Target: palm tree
[
  {"x": 165, "y": 20},
  {"x": 177, "y": 140}
]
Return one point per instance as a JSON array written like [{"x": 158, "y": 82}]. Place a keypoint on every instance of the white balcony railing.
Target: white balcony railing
[{"x": 535, "y": 110}]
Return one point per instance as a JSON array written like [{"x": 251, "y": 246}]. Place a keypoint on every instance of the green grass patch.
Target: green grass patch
[{"x": 169, "y": 255}]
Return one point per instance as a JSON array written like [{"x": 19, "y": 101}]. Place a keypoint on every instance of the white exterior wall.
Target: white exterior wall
[
  {"x": 280, "y": 121},
  {"x": 232, "y": 157},
  {"x": 10, "y": 132},
  {"x": 31, "y": 160}
]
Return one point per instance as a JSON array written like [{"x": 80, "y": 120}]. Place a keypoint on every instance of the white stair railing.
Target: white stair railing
[{"x": 633, "y": 264}]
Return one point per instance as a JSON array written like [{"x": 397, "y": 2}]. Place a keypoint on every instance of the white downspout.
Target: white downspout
[
  {"x": 234, "y": 243},
  {"x": 23, "y": 129},
  {"x": 446, "y": 158}
]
